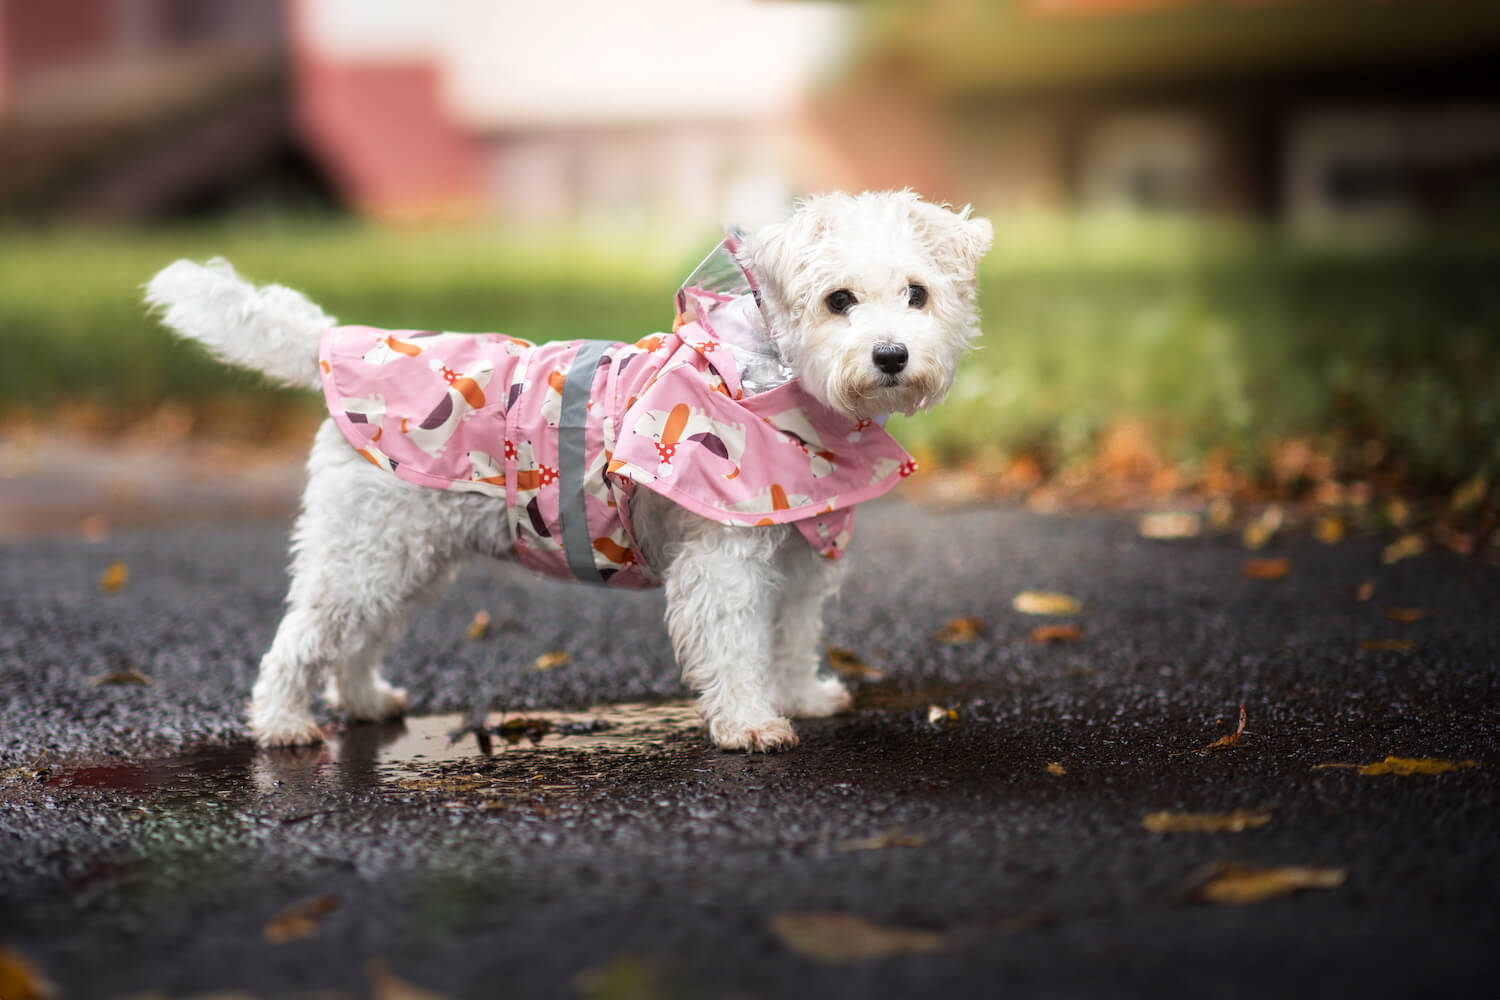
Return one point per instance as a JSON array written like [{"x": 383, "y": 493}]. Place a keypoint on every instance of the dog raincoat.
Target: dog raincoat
[{"x": 565, "y": 432}]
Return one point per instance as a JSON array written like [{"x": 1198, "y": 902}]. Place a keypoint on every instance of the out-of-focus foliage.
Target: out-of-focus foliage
[{"x": 1216, "y": 340}]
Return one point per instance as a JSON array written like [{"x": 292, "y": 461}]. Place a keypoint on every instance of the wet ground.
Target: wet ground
[{"x": 601, "y": 848}]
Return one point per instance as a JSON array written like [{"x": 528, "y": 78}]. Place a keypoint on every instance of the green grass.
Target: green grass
[{"x": 1224, "y": 339}]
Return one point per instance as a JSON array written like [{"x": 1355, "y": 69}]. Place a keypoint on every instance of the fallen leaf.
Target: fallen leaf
[
  {"x": 1224, "y": 742},
  {"x": 1041, "y": 602},
  {"x": 480, "y": 626},
  {"x": 300, "y": 920},
  {"x": 1405, "y": 615},
  {"x": 1329, "y": 529},
  {"x": 834, "y": 938},
  {"x": 1403, "y": 548},
  {"x": 20, "y": 979},
  {"x": 1397, "y": 511},
  {"x": 1260, "y": 531},
  {"x": 960, "y": 631},
  {"x": 1055, "y": 767},
  {"x": 113, "y": 578},
  {"x": 131, "y": 676},
  {"x": 1365, "y": 592},
  {"x": 848, "y": 663},
  {"x": 938, "y": 714},
  {"x": 1169, "y": 524},
  {"x": 1387, "y": 645},
  {"x": 1246, "y": 884},
  {"x": 514, "y": 728},
  {"x": 553, "y": 660},
  {"x": 1267, "y": 569},
  {"x": 1407, "y": 766},
  {"x": 1056, "y": 633},
  {"x": 1470, "y": 493},
  {"x": 386, "y": 985},
  {"x": 1220, "y": 512},
  {"x": 1230, "y": 822},
  {"x": 882, "y": 841}
]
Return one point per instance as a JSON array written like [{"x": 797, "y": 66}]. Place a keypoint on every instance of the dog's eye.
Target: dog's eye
[
  {"x": 840, "y": 302},
  {"x": 916, "y": 296}
]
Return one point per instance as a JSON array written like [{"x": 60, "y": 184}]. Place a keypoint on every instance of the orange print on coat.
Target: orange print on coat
[
  {"x": 470, "y": 391},
  {"x": 614, "y": 551},
  {"x": 676, "y": 423},
  {"x": 402, "y": 347},
  {"x": 556, "y": 380}
]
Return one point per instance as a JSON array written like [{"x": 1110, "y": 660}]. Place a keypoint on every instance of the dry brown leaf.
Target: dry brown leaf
[
  {"x": 386, "y": 985},
  {"x": 1056, "y": 633},
  {"x": 1246, "y": 884},
  {"x": 1407, "y": 766},
  {"x": 20, "y": 979},
  {"x": 113, "y": 578},
  {"x": 1267, "y": 569},
  {"x": 937, "y": 714},
  {"x": 848, "y": 663},
  {"x": 553, "y": 660},
  {"x": 834, "y": 938},
  {"x": 1225, "y": 742},
  {"x": 1230, "y": 822},
  {"x": 1405, "y": 615},
  {"x": 960, "y": 631},
  {"x": 1167, "y": 524},
  {"x": 1470, "y": 493},
  {"x": 300, "y": 920},
  {"x": 1365, "y": 592},
  {"x": 1042, "y": 602},
  {"x": 131, "y": 676},
  {"x": 1260, "y": 531},
  {"x": 1397, "y": 511},
  {"x": 882, "y": 841},
  {"x": 480, "y": 626},
  {"x": 1403, "y": 548},
  {"x": 1055, "y": 767},
  {"x": 1387, "y": 645},
  {"x": 1329, "y": 529}
]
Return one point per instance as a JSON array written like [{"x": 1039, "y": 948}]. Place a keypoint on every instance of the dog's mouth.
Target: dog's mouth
[{"x": 890, "y": 381}]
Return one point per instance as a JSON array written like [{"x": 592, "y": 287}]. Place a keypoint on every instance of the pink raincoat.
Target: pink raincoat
[{"x": 566, "y": 432}]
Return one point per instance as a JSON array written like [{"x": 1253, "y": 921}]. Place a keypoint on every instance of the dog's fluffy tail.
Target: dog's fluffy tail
[{"x": 273, "y": 330}]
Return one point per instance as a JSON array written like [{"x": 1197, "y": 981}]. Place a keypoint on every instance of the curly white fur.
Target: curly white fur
[{"x": 744, "y": 604}]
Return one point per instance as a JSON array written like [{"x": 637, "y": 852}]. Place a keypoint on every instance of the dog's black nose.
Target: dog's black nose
[{"x": 889, "y": 358}]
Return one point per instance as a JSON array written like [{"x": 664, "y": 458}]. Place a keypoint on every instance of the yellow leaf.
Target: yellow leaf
[
  {"x": 1470, "y": 493},
  {"x": 1405, "y": 615},
  {"x": 480, "y": 626},
  {"x": 1387, "y": 645},
  {"x": 1246, "y": 884},
  {"x": 113, "y": 578},
  {"x": 834, "y": 938},
  {"x": 553, "y": 660},
  {"x": 1168, "y": 524},
  {"x": 1407, "y": 766},
  {"x": 1225, "y": 742},
  {"x": 300, "y": 920},
  {"x": 1330, "y": 529},
  {"x": 848, "y": 663},
  {"x": 1260, "y": 531},
  {"x": 1231, "y": 822},
  {"x": 1042, "y": 602},
  {"x": 1267, "y": 569},
  {"x": 22, "y": 980},
  {"x": 1055, "y": 767},
  {"x": 1403, "y": 548},
  {"x": 960, "y": 631},
  {"x": 1056, "y": 633},
  {"x": 881, "y": 842},
  {"x": 131, "y": 676}
]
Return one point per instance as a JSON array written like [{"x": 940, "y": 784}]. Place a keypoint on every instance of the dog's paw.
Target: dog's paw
[
  {"x": 288, "y": 734},
  {"x": 766, "y": 737},
  {"x": 818, "y": 698},
  {"x": 382, "y": 703}
]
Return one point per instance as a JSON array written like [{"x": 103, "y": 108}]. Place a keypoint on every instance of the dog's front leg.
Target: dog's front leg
[
  {"x": 721, "y": 603},
  {"x": 807, "y": 580}
]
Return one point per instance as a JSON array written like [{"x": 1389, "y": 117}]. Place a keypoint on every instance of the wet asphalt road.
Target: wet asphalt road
[{"x": 152, "y": 845}]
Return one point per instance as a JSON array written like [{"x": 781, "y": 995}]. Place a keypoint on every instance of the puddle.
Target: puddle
[{"x": 388, "y": 755}]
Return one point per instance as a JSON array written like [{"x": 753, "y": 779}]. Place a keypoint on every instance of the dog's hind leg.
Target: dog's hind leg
[
  {"x": 807, "y": 580},
  {"x": 366, "y": 546}
]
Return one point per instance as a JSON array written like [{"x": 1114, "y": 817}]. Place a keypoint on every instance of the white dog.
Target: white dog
[{"x": 734, "y": 494}]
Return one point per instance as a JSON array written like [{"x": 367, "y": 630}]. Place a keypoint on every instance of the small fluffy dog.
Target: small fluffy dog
[{"x": 722, "y": 460}]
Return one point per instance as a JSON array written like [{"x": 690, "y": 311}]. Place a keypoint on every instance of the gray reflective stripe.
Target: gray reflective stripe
[{"x": 572, "y": 460}]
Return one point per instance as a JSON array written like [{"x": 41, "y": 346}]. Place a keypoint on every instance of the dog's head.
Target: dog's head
[{"x": 871, "y": 297}]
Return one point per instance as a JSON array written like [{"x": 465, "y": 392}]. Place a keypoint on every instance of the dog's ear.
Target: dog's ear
[
  {"x": 771, "y": 254},
  {"x": 957, "y": 239}
]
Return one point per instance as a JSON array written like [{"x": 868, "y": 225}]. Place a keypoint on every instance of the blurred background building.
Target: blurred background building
[{"x": 1324, "y": 112}]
